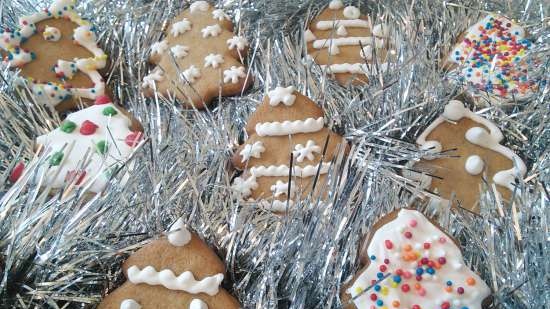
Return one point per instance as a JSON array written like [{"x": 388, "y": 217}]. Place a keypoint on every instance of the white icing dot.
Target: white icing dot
[
  {"x": 335, "y": 5},
  {"x": 352, "y": 12},
  {"x": 198, "y": 304},
  {"x": 479, "y": 136},
  {"x": 199, "y": 6},
  {"x": 454, "y": 110},
  {"x": 178, "y": 235},
  {"x": 474, "y": 165},
  {"x": 129, "y": 304}
]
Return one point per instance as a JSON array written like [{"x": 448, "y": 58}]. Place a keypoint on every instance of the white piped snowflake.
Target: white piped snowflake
[
  {"x": 155, "y": 76},
  {"x": 282, "y": 95},
  {"x": 244, "y": 187},
  {"x": 180, "y": 27},
  {"x": 180, "y": 51},
  {"x": 237, "y": 41},
  {"x": 199, "y": 6},
  {"x": 159, "y": 47},
  {"x": 233, "y": 74},
  {"x": 191, "y": 74},
  {"x": 213, "y": 60},
  {"x": 212, "y": 30},
  {"x": 220, "y": 15},
  {"x": 280, "y": 188},
  {"x": 252, "y": 150},
  {"x": 301, "y": 152}
]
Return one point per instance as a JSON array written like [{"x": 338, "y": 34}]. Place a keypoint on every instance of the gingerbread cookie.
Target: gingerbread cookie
[
  {"x": 413, "y": 264},
  {"x": 346, "y": 43},
  {"x": 491, "y": 56},
  {"x": 89, "y": 145},
  {"x": 174, "y": 272},
  {"x": 286, "y": 122},
  {"x": 474, "y": 145},
  {"x": 199, "y": 54},
  {"x": 58, "y": 56}
]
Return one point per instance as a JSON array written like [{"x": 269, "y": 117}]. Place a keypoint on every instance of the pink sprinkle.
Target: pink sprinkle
[
  {"x": 442, "y": 240},
  {"x": 408, "y": 235},
  {"x": 422, "y": 292},
  {"x": 413, "y": 223},
  {"x": 389, "y": 244},
  {"x": 407, "y": 275}
]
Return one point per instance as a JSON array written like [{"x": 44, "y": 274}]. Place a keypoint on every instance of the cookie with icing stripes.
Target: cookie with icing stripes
[
  {"x": 58, "y": 55},
  {"x": 346, "y": 43},
  {"x": 473, "y": 152},
  {"x": 198, "y": 55},
  {"x": 173, "y": 272},
  {"x": 412, "y": 263},
  {"x": 286, "y": 123}
]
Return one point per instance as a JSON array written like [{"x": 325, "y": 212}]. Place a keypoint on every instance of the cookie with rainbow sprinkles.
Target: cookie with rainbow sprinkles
[
  {"x": 413, "y": 264},
  {"x": 491, "y": 57}
]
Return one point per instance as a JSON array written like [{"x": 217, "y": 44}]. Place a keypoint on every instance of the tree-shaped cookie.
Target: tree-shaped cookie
[
  {"x": 89, "y": 145},
  {"x": 175, "y": 272},
  {"x": 473, "y": 144},
  {"x": 346, "y": 43},
  {"x": 198, "y": 55},
  {"x": 285, "y": 123},
  {"x": 58, "y": 56},
  {"x": 413, "y": 264},
  {"x": 491, "y": 57}
]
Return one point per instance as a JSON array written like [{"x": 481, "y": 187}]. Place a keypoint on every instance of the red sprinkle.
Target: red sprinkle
[
  {"x": 389, "y": 244},
  {"x": 373, "y": 297},
  {"x": 88, "y": 128},
  {"x": 442, "y": 260},
  {"x": 408, "y": 235},
  {"x": 383, "y": 268},
  {"x": 427, "y": 245},
  {"x": 445, "y": 305},
  {"x": 460, "y": 290},
  {"x": 17, "y": 171},
  {"x": 133, "y": 138},
  {"x": 102, "y": 99},
  {"x": 405, "y": 288}
]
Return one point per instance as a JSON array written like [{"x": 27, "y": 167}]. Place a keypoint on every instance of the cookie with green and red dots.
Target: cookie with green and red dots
[
  {"x": 413, "y": 264},
  {"x": 89, "y": 145},
  {"x": 491, "y": 57}
]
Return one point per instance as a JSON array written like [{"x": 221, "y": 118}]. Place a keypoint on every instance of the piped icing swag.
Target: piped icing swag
[
  {"x": 414, "y": 265},
  {"x": 11, "y": 41}
]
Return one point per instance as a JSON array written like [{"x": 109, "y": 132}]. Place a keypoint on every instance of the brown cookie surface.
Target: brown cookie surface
[
  {"x": 334, "y": 40},
  {"x": 475, "y": 153},
  {"x": 410, "y": 264},
  {"x": 198, "y": 55},
  {"x": 177, "y": 271},
  {"x": 285, "y": 123}
]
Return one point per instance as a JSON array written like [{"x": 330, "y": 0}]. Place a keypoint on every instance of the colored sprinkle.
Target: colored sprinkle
[
  {"x": 101, "y": 147},
  {"x": 56, "y": 158},
  {"x": 109, "y": 111},
  {"x": 68, "y": 126}
]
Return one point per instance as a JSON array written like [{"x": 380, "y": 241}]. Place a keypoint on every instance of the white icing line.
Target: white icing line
[
  {"x": 354, "y": 68},
  {"x": 283, "y": 170},
  {"x": 289, "y": 127},
  {"x": 327, "y": 43},
  {"x": 351, "y": 23},
  {"x": 184, "y": 282}
]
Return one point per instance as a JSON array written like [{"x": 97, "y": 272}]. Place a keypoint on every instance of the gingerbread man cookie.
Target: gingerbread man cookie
[
  {"x": 413, "y": 264},
  {"x": 285, "y": 123},
  {"x": 174, "y": 272},
  {"x": 346, "y": 43},
  {"x": 491, "y": 56},
  {"x": 474, "y": 143},
  {"x": 89, "y": 145},
  {"x": 199, "y": 54},
  {"x": 58, "y": 56}
]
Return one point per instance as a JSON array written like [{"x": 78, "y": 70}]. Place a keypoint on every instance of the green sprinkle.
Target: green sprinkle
[
  {"x": 68, "y": 126},
  {"x": 109, "y": 111},
  {"x": 56, "y": 158},
  {"x": 101, "y": 147}
]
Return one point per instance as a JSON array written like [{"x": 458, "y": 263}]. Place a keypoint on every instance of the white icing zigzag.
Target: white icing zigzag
[
  {"x": 184, "y": 282},
  {"x": 290, "y": 127},
  {"x": 424, "y": 268},
  {"x": 84, "y": 35},
  {"x": 455, "y": 111}
]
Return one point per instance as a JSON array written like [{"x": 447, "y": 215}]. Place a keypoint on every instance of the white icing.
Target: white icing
[
  {"x": 381, "y": 30},
  {"x": 129, "y": 304},
  {"x": 341, "y": 31},
  {"x": 424, "y": 231},
  {"x": 238, "y": 42},
  {"x": 159, "y": 47},
  {"x": 80, "y": 151},
  {"x": 198, "y": 304},
  {"x": 355, "y": 68},
  {"x": 367, "y": 52},
  {"x": 191, "y": 74},
  {"x": 220, "y": 15},
  {"x": 252, "y": 150},
  {"x": 179, "y": 51},
  {"x": 180, "y": 27},
  {"x": 179, "y": 235},
  {"x": 276, "y": 205},
  {"x": 184, "y": 282},
  {"x": 155, "y": 76},
  {"x": 309, "y": 36},
  {"x": 212, "y": 30},
  {"x": 333, "y": 43},
  {"x": 65, "y": 69},
  {"x": 474, "y": 165},
  {"x": 51, "y": 34},
  {"x": 213, "y": 60},
  {"x": 335, "y": 5},
  {"x": 454, "y": 111},
  {"x": 351, "y": 12},
  {"x": 280, "y": 188},
  {"x": 350, "y": 23},
  {"x": 54, "y": 93},
  {"x": 199, "y": 6},
  {"x": 289, "y": 127},
  {"x": 431, "y": 147},
  {"x": 300, "y": 152},
  {"x": 233, "y": 74},
  {"x": 283, "y": 95},
  {"x": 379, "y": 43},
  {"x": 283, "y": 170},
  {"x": 244, "y": 186}
]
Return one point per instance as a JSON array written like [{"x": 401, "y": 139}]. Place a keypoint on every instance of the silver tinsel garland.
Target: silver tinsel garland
[{"x": 65, "y": 253}]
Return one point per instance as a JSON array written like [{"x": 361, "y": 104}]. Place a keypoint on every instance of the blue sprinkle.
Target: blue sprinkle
[
  {"x": 373, "y": 257},
  {"x": 377, "y": 288}
]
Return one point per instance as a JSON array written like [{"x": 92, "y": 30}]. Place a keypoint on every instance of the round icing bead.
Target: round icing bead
[{"x": 474, "y": 165}]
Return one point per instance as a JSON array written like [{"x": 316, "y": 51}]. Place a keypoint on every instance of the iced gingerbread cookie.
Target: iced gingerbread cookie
[
  {"x": 285, "y": 123},
  {"x": 413, "y": 264},
  {"x": 490, "y": 56},
  {"x": 179, "y": 271},
  {"x": 198, "y": 55},
  {"x": 58, "y": 56},
  {"x": 346, "y": 43},
  {"x": 89, "y": 145},
  {"x": 474, "y": 143}
]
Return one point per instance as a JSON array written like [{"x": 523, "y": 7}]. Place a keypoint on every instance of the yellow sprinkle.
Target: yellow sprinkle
[
  {"x": 358, "y": 290},
  {"x": 394, "y": 284},
  {"x": 384, "y": 290}
]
